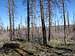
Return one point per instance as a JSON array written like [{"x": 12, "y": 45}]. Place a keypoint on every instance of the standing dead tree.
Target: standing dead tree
[
  {"x": 55, "y": 26},
  {"x": 11, "y": 17},
  {"x": 7, "y": 29},
  {"x": 63, "y": 9},
  {"x": 9, "y": 11},
  {"x": 32, "y": 16},
  {"x": 49, "y": 10},
  {"x": 63, "y": 5},
  {"x": 13, "y": 10},
  {"x": 28, "y": 19},
  {"x": 1, "y": 25},
  {"x": 58, "y": 27},
  {"x": 43, "y": 23},
  {"x": 68, "y": 20}
]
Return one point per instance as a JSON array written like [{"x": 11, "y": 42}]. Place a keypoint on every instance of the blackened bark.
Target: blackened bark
[
  {"x": 13, "y": 19},
  {"x": 10, "y": 20},
  {"x": 49, "y": 10},
  {"x": 28, "y": 19},
  {"x": 43, "y": 23},
  {"x": 63, "y": 6},
  {"x": 68, "y": 20}
]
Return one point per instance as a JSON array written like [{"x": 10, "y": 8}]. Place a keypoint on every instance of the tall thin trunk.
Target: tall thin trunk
[
  {"x": 7, "y": 28},
  {"x": 13, "y": 18},
  {"x": 10, "y": 20},
  {"x": 68, "y": 20},
  {"x": 43, "y": 23},
  {"x": 58, "y": 25},
  {"x": 63, "y": 5},
  {"x": 28, "y": 19},
  {"x": 55, "y": 26},
  {"x": 32, "y": 17},
  {"x": 49, "y": 10}
]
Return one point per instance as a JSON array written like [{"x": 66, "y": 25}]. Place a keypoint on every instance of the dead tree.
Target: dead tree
[
  {"x": 58, "y": 27},
  {"x": 43, "y": 23},
  {"x": 73, "y": 23},
  {"x": 19, "y": 30},
  {"x": 11, "y": 17},
  {"x": 63, "y": 10},
  {"x": 55, "y": 26},
  {"x": 7, "y": 29},
  {"x": 32, "y": 16},
  {"x": 68, "y": 20},
  {"x": 35, "y": 1},
  {"x": 28, "y": 19},
  {"x": 68, "y": 23},
  {"x": 13, "y": 10},
  {"x": 1, "y": 25},
  {"x": 49, "y": 10},
  {"x": 21, "y": 21},
  {"x": 9, "y": 11}
]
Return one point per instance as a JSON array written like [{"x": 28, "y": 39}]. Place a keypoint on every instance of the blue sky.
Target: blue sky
[{"x": 21, "y": 12}]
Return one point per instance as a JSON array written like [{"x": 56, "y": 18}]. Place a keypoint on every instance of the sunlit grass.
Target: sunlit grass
[{"x": 60, "y": 43}]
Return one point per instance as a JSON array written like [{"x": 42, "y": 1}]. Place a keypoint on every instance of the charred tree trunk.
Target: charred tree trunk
[
  {"x": 32, "y": 17},
  {"x": 63, "y": 6},
  {"x": 58, "y": 27},
  {"x": 35, "y": 1},
  {"x": 13, "y": 18},
  {"x": 7, "y": 29},
  {"x": 43, "y": 23},
  {"x": 28, "y": 19},
  {"x": 68, "y": 20},
  {"x": 49, "y": 10},
  {"x": 55, "y": 26},
  {"x": 10, "y": 20}
]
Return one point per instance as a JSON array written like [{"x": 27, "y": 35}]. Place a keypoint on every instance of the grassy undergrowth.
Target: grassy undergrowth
[{"x": 38, "y": 49}]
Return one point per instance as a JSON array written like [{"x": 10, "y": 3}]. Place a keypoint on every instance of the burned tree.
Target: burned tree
[
  {"x": 32, "y": 16},
  {"x": 58, "y": 25},
  {"x": 7, "y": 29},
  {"x": 63, "y": 10},
  {"x": 68, "y": 20},
  {"x": 11, "y": 17},
  {"x": 43, "y": 23},
  {"x": 49, "y": 10},
  {"x": 13, "y": 10},
  {"x": 28, "y": 19}
]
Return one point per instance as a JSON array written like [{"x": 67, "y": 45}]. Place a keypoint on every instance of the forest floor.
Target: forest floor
[
  {"x": 55, "y": 47},
  {"x": 24, "y": 48}
]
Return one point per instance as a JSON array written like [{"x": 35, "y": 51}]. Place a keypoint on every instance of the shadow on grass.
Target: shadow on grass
[
  {"x": 60, "y": 48},
  {"x": 7, "y": 47}
]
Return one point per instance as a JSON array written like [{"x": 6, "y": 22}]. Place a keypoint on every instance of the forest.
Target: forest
[{"x": 37, "y": 28}]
